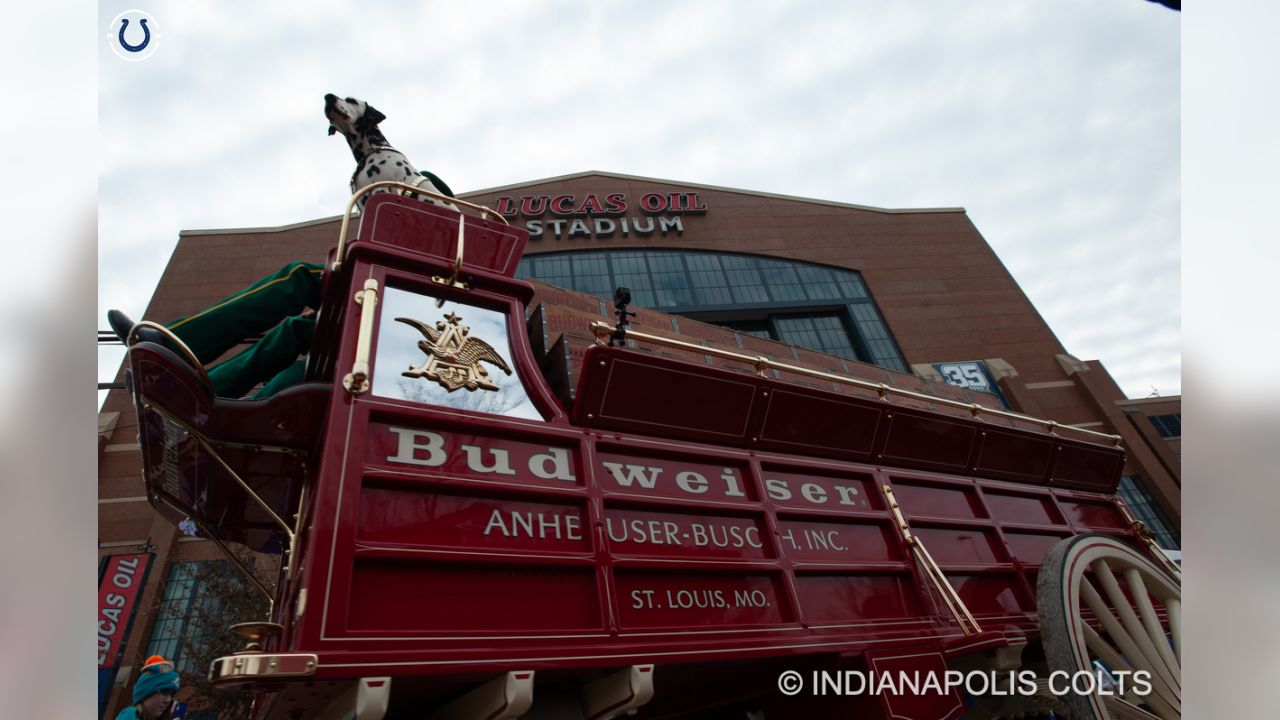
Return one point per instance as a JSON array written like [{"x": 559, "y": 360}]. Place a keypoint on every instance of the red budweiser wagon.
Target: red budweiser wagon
[{"x": 735, "y": 538}]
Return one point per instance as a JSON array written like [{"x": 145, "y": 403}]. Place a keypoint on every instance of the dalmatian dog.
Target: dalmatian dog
[{"x": 376, "y": 160}]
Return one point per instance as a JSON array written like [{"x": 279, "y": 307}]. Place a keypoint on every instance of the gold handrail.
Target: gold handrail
[
  {"x": 357, "y": 381},
  {"x": 603, "y": 330},
  {"x": 177, "y": 342},
  {"x": 266, "y": 593},
  {"x": 298, "y": 523},
  {"x": 175, "y": 504},
  {"x": 456, "y": 271},
  {"x": 405, "y": 189},
  {"x": 931, "y": 570}
]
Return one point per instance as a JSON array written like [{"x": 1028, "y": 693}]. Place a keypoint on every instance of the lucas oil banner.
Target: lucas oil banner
[{"x": 119, "y": 588}]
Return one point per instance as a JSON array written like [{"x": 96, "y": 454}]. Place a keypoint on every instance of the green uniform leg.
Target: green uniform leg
[
  {"x": 276, "y": 351},
  {"x": 228, "y": 322},
  {"x": 290, "y": 376}
]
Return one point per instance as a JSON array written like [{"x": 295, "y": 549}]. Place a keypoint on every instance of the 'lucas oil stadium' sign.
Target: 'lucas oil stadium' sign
[{"x": 602, "y": 216}]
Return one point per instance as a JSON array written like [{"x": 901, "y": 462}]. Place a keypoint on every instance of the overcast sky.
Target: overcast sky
[{"x": 1054, "y": 123}]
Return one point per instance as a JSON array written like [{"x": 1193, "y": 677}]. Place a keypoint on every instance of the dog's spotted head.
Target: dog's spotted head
[{"x": 353, "y": 118}]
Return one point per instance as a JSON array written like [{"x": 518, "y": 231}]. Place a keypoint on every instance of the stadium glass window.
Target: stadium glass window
[
  {"x": 183, "y": 601},
  {"x": 1144, "y": 507},
  {"x": 180, "y": 594},
  {"x": 812, "y": 306},
  {"x": 593, "y": 273},
  {"x": 758, "y": 328},
  {"x": 824, "y": 332},
  {"x": 1169, "y": 426},
  {"x": 708, "y": 280}
]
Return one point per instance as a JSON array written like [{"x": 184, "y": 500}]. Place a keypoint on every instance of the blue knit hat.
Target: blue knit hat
[{"x": 157, "y": 676}]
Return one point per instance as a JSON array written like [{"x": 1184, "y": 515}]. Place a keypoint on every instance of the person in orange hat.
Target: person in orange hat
[{"x": 154, "y": 692}]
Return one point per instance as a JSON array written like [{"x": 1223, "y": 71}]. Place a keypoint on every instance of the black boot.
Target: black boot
[{"x": 121, "y": 325}]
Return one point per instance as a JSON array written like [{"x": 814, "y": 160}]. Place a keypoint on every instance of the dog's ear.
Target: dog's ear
[
  {"x": 332, "y": 129},
  {"x": 373, "y": 115}
]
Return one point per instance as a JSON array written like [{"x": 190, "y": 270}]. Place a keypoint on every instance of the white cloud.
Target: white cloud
[{"x": 1054, "y": 124}]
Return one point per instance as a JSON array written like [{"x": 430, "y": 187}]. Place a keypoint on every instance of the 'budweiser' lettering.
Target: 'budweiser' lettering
[
  {"x": 430, "y": 449},
  {"x": 689, "y": 480},
  {"x": 659, "y": 477},
  {"x": 506, "y": 459}
]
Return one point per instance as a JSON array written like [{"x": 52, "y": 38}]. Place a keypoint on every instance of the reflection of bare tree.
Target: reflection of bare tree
[
  {"x": 399, "y": 350},
  {"x": 502, "y": 402},
  {"x": 212, "y": 596}
]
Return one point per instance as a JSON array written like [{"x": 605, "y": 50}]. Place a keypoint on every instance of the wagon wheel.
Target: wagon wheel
[{"x": 1133, "y": 636}]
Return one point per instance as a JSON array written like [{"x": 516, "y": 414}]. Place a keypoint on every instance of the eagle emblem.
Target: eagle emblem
[{"x": 453, "y": 356}]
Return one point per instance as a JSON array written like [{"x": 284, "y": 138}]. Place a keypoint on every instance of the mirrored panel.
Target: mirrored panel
[{"x": 453, "y": 355}]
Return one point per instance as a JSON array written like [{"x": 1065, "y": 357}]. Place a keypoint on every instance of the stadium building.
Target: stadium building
[{"x": 912, "y": 298}]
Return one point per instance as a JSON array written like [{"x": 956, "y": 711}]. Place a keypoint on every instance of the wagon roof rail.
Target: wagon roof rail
[{"x": 603, "y": 331}]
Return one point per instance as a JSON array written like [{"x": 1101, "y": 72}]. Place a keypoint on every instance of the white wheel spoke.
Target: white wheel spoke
[
  {"x": 1137, "y": 632},
  {"x": 1101, "y": 576},
  {"x": 1152, "y": 622},
  {"x": 1161, "y": 696},
  {"x": 1104, "y": 651},
  {"x": 1124, "y": 643}
]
